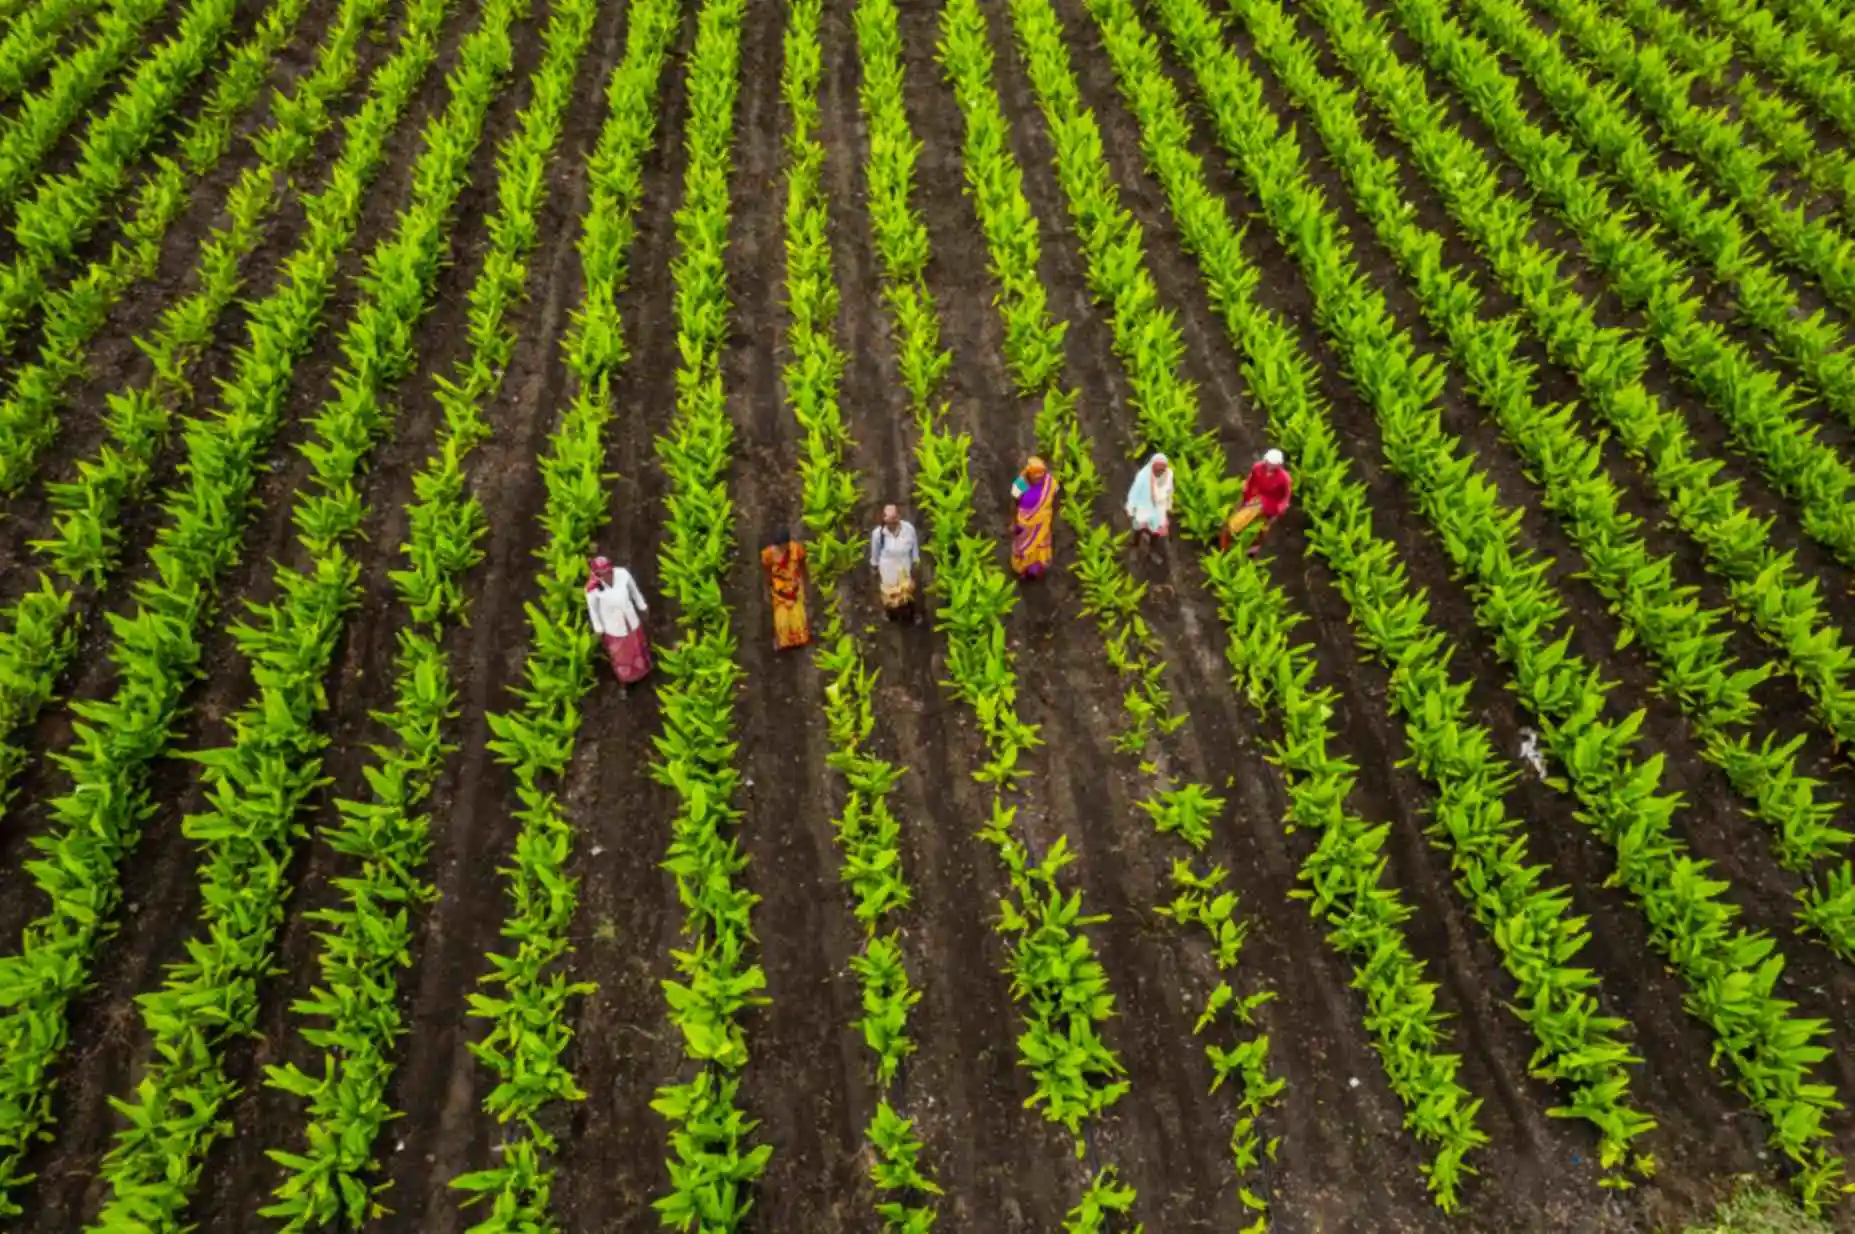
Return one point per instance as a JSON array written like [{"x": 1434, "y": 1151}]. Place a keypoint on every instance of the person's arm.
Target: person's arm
[
  {"x": 875, "y": 547},
  {"x": 592, "y": 606},
  {"x": 914, "y": 547},
  {"x": 1282, "y": 490},
  {"x": 637, "y": 592}
]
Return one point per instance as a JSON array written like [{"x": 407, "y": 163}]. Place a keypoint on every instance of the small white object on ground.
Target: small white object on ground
[{"x": 1529, "y": 750}]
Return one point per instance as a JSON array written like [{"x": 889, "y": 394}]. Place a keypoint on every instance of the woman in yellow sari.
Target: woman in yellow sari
[
  {"x": 783, "y": 559},
  {"x": 1033, "y": 494}
]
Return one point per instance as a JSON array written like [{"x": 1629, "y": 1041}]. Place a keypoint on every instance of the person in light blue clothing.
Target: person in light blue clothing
[{"x": 1149, "y": 501}]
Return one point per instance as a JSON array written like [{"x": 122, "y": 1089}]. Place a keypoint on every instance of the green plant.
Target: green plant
[
  {"x": 353, "y": 1017},
  {"x": 1691, "y": 923},
  {"x": 96, "y": 825},
  {"x": 1684, "y": 642},
  {"x": 32, "y": 36},
  {"x": 1347, "y": 875},
  {"x": 38, "y": 634},
  {"x": 66, "y": 206},
  {"x": 28, "y": 135},
  {"x": 713, "y": 1165},
  {"x": 1755, "y": 1210},
  {"x": 1054, "y": 968},
  {"x": 256, "y": 785}
]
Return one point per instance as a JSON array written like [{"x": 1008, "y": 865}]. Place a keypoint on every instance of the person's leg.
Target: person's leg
[{"x": 1262, "y": 533}]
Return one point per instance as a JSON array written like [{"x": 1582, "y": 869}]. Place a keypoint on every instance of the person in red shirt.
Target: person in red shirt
[{"x": 1266, "y": 495}]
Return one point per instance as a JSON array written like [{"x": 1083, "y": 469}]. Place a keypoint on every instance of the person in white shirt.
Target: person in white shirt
[
  {"x": 894, "y": 554},
  {"x": 617, "y": 608}
]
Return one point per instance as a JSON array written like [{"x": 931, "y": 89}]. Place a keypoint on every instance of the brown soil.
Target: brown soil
[{"x": 1345, "y": 1163}]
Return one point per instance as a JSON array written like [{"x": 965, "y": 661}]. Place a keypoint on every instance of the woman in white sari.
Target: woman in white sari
[{"x": 1149, "y": 501}]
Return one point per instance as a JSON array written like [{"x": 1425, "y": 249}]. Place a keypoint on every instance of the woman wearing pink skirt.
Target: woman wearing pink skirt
[{"x": 617, "y": 608}]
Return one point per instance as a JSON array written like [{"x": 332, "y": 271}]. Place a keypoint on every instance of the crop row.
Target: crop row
[
  {"x": 28, "y": 135},
  {"x": 1763, "y": 299},
  {"x": 65, "y": 211},
  {"x": 1056, "y": 976},
  {"x": 1757, "y": 408},
  {"x": 96, "y": 825},
  {"x": 353, "y": 1017},
  {"x": 1831, "y": 25},
  {"x": 1760, "y": 408},
  {"x": 1112, "y": 598},
  {"x": 1730, "y": 972},
  {"x": 712, "y": 1164},
  {"x": 529, "y": 1026},
  {"x": 65, "y": 207},
  {"x": 867, "y": 829},
  {"x": 1199, "y": 900},
  {"x": 1683, "y": 641},
  {"x": 1364, "y": 912},
  {"x": 1054, "y": 968},
  {"x": 1804, "y": 831},
  {"x": 1710, "y": 136},
  {"x": 256, "y": 785},
  {"x": 1775, "y": 1060},
  {"x": 1789, "y": 56},
  {"x": 1779, "y": 122},
  {"x": 1767, "y": 590},
  {"x": 38, "y": 635},
  {"x": 31, "y": 39}
]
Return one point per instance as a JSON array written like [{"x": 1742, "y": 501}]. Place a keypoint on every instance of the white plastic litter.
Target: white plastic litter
[{"x": 1529, "y": 751}]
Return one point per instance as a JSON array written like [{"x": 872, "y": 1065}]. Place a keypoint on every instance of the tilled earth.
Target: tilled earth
[{"x": 1345, "y": 1163}]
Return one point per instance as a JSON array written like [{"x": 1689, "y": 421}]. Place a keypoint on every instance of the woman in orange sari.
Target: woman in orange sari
[
  {"x": 1034, "y": 496},
  {"x": 783, "y": 559}
]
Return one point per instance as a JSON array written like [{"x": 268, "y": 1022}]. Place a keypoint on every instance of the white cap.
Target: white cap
[{"x": 1272, "y": 457}]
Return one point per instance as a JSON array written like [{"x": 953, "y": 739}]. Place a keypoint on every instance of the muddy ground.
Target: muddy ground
[{"x": 1345, "y": 1164}]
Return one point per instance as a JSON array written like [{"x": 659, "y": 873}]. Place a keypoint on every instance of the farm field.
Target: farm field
[{"x": 1474, "y": 856}]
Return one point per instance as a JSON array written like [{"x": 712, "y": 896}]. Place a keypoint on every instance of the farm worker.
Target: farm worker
[
  {"x": 1034, "y": 495},
  {"x": 617, "y": 608},
  {"x": 1149, "y": 500},
  {"x": 783, "y": 559},
  {"x": 894, "y": 554},
  {"x": 1266, "y": 495}
]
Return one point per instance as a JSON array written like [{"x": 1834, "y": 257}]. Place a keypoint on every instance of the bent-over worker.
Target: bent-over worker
[{"x": 1266, "y": 495}]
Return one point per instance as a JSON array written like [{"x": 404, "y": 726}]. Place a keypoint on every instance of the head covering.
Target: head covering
[
  {"x": 601, "y": 568},
  {"x": 1150, "y": 496},
  {"x": 1272, "y": 457},
  {"x": 1035, "y": 470}
]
